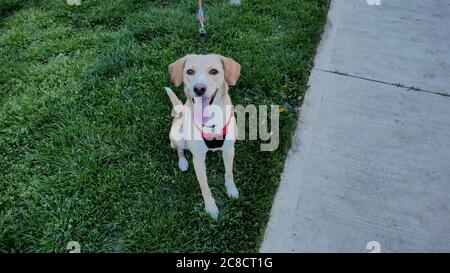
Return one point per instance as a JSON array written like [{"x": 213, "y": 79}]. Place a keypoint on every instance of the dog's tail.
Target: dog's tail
[
  {"x": 176, "y": 103},
  {"x": 173, "y": 98}
]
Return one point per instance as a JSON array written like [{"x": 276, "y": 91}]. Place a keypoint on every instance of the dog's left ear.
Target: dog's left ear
[
  {"x": 176, "y": 71},
  {"x": 232, "y": 70}
]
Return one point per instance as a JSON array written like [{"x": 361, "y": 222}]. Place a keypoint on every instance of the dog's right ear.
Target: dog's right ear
[{"x": 176, "y": 71}]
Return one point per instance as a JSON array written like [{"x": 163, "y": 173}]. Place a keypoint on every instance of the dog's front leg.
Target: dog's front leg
[
  {"x": 200, "y": 171},
  {"x": 228, "y": 156}
]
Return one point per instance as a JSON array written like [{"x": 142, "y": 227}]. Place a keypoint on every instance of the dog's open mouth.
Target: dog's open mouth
[
  {"x": 205, "y": 100},
  {"x": 202, "y": 113}
]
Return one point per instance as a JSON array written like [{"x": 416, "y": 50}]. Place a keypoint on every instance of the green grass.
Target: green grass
[{"x": 84, "y": 121}]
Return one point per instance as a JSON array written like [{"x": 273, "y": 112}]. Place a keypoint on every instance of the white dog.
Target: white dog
[{"x": 206, "y": 120}]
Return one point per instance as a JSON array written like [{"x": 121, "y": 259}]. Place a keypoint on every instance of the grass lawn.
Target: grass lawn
[{"x": 84, "y": 121}]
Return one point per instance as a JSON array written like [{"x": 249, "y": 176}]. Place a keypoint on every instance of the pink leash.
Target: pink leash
[
  {"x": 202, "y": 30},
  {"x": 201, "y": 17}
]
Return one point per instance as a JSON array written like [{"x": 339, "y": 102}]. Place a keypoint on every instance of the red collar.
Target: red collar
[{"x": 222, "y": 132}]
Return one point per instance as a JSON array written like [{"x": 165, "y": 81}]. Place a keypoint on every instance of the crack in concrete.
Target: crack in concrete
[{"x": 400, "y": 85}]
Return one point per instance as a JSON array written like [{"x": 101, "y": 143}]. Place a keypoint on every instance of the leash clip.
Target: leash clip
[{"x": 202, "y": 31}]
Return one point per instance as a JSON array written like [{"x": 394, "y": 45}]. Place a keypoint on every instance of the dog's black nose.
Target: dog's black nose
[{"x": 199, "y": 89}]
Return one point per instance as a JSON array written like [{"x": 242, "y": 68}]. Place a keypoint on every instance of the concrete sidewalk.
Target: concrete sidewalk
[{"x": 370, "y": 160}]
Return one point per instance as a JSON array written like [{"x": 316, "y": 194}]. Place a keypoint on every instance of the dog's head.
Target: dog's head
[{"x": 204, "y": 75}]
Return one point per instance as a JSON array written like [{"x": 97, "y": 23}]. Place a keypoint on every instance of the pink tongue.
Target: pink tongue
[{"x": 201, "y": 110}]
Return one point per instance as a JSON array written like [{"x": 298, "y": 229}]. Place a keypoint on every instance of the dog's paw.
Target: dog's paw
[
  {"x": 212, "y": 210},
  {"x": 183, "y": 164},
  {"x": 232, "y": 191}
]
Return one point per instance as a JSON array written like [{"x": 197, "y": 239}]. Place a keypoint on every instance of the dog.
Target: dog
[{"x": 206, "y": 80}]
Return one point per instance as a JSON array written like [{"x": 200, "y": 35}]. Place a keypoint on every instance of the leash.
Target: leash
[{"x": 202, "y": 30}]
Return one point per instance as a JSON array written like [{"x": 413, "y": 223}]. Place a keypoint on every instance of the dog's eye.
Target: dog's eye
[
  {"x": 190, "y": 72},
  {"x": 213, "y": 71}
]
